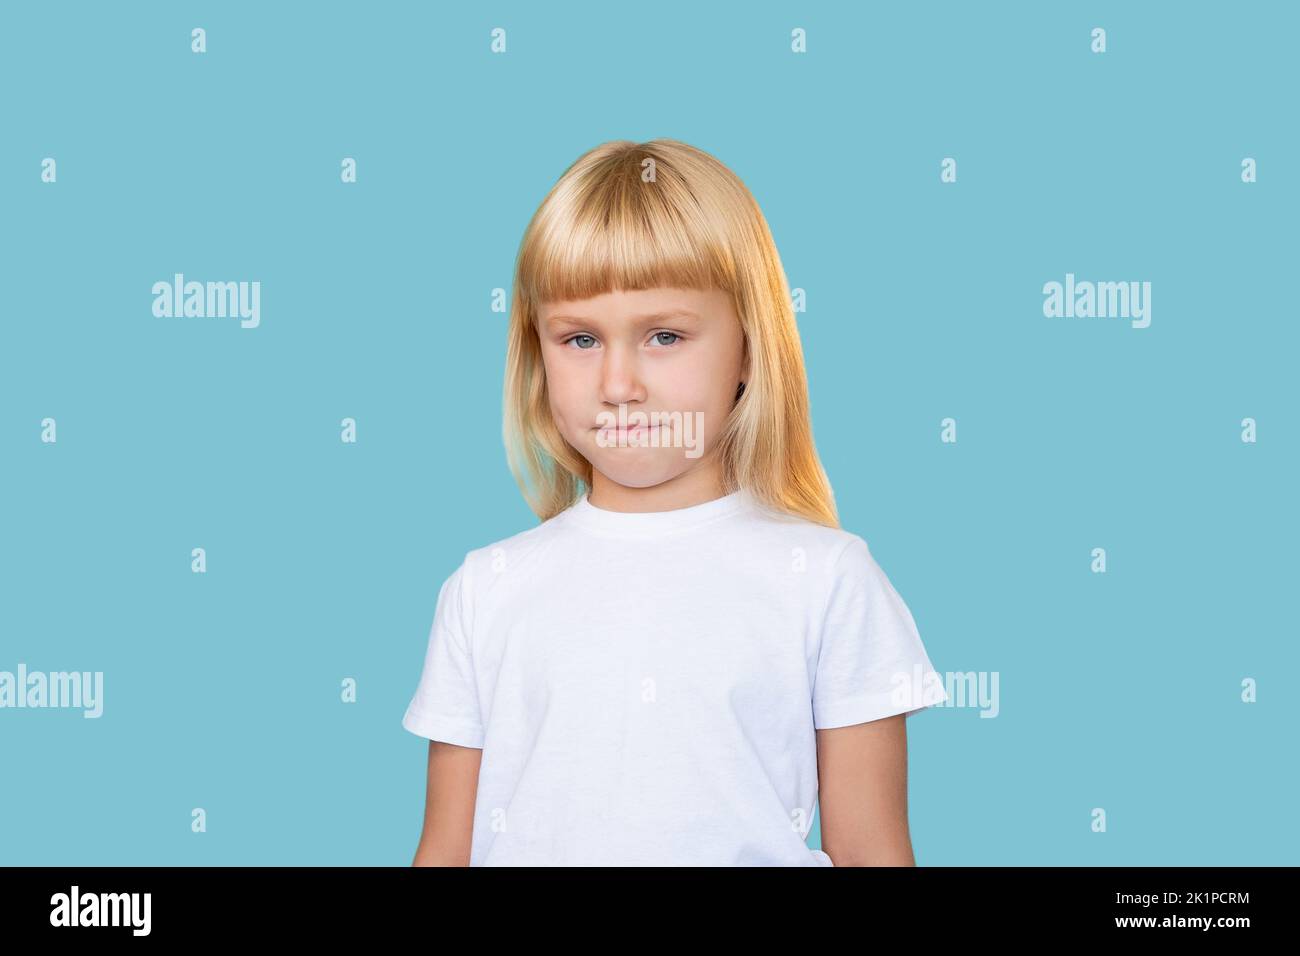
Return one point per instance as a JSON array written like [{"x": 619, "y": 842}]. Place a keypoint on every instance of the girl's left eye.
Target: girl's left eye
[{"x": 673, "y": 334}]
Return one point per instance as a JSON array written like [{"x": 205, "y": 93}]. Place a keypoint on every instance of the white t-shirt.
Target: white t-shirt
[{"x": 645, "y": 687}]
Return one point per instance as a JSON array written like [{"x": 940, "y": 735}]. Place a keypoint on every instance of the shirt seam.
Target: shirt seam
[
  {"x": 832, "y": 578},
  {"x": 830, "y": 587}
]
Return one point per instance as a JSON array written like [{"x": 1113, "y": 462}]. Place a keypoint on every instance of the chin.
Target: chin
[{"x": 630, "y": 476}]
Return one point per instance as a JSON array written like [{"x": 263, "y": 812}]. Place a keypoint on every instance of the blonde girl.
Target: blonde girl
[{"x": 687, "y": 657}]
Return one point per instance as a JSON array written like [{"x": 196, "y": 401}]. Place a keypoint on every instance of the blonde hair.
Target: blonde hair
[{"x": 632, "y": 216}]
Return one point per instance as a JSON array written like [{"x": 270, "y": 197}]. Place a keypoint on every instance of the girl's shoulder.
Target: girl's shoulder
[
  {"x": 831, "y": 550},
  {"x": 514, "y": 550}
]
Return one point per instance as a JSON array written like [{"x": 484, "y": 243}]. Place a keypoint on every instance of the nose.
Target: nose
[{"x": 620, "y": 378}]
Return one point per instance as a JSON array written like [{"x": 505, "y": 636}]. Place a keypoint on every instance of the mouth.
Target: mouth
[
  {"x": 626, "y": 429},
  {"x": 630, "y": 431}
]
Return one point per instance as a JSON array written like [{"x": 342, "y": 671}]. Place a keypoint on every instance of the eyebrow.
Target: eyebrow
[{"x": 649, "y": 319}]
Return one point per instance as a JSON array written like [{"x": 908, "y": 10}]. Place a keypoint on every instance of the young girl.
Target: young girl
[{"x": 687, "y": 653}]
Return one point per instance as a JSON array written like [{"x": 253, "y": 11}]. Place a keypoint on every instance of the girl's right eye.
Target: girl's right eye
[{"x": 581, "y": 335}]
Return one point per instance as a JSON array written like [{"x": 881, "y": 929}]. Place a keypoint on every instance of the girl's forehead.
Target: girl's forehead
[{"x": 633, "y": 303}]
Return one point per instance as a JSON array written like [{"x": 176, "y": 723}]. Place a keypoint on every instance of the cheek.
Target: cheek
[
  {"x": 564, "y": 388},
  {"x": 696, "y": 385}
]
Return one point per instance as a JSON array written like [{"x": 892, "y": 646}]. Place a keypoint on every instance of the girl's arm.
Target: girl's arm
[
  {"x": 449, "y": 805},
  {"x": 862, "y": 792}
]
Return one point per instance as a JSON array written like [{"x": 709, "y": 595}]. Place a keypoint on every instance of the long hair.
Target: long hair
[{"x": 632, "y": 216}]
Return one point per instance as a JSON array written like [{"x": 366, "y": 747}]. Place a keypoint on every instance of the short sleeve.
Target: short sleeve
[
  {"x": 870, "y": 662},
  {"x": 445, "y": 706}
]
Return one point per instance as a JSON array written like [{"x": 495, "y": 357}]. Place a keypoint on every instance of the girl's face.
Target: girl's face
[{"x": 641, "y": 382}]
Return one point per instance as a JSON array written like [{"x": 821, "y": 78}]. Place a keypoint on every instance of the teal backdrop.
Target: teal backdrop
[{"x": 1155, "y": 691}]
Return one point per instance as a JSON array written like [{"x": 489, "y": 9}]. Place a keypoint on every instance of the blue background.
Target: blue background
[{"x": 924, "y": 301}]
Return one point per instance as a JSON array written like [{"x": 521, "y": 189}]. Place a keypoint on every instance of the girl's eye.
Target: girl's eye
[{"x": 584, "y": 335}]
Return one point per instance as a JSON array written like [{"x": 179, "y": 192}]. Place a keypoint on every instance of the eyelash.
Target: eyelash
[{"x": 583, "y": 335}]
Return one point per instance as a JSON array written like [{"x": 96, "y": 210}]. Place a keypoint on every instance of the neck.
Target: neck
[{"x": 693, "y": 487}]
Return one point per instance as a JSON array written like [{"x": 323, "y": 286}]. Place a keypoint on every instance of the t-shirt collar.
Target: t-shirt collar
[{"x": 643, "y": 523}]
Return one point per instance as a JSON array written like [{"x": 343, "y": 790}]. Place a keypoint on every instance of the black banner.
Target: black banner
[{"x": 929, "y": 905}]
